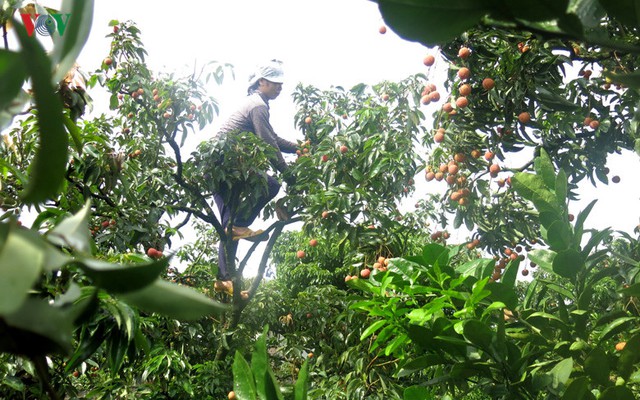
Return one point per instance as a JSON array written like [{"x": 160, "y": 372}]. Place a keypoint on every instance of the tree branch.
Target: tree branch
[
  {"x": 253, "y": 247},
  {"x": 184, "y": 222},
  {"x": 199, "y": 214},
  {"x": 191, "y": 189},
  {"x": 82, "y": 188}
]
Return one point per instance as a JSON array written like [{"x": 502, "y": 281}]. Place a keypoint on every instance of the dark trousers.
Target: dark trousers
[{"x": 239, "y": 220}]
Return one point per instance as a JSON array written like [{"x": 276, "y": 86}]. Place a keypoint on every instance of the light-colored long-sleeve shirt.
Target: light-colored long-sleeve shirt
[{"x": 253, "y": 116}]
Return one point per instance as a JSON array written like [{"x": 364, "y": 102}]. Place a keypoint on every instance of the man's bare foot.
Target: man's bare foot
[{"x": 242, "y": 232}]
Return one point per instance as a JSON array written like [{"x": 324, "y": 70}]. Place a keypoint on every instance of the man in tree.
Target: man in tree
[{"x": 253, "y": 116}]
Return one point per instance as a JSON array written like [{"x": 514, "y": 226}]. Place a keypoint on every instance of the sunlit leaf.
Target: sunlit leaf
[
  {"x": 302, "y": 384},
  {"x": 559, "y": 235},
  {"x": 545, "y": 170},
  {"x": 561, "y": 373},
  {"x": 243, "y": 382},
  {"x": 259, "y": 363},
  {"x": 543, "y": 258}
]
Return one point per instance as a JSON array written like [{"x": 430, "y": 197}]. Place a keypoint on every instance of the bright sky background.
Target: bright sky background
[{"x": 324, "y": 43}]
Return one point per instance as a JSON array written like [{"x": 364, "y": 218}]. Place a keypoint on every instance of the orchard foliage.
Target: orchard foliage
[
  {"x": 359, "y": 161},
  {"x": 57, "y": 277},
  {"x": 369, "y": 300},
  {"x": 464, "y": 324}
]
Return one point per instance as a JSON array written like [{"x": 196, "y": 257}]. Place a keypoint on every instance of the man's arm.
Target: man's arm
[{"x": 285, "y": 145}]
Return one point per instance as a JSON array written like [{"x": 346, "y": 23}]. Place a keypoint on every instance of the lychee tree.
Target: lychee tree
[{"x": 466, "y": 324}]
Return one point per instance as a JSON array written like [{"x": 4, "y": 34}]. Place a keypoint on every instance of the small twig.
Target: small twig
[
  {"x": 82, "y": 188},
  {"x": 4, "y": 35}
]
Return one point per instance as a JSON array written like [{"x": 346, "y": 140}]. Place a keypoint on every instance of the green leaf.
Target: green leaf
[
  {"x": 74, "y": 132},
  {"x": 561, "y": 373},
  {"x": 543, "y": 257},
  {"x": 243, "y": 383},
  {"x": 578, "y": 389},
  {"x": 595, "y": 239},
  {"x": 503, "y": 294},
  {"x": 12, "y": 76},
  {"x": 21, "y": 261},
  {"x": 395, "y": 343},
  {"x": 37, "y": 328},
  {"x": 302, "y": 384},
  {"x": 67, "y": 46},
  {"x": 618, "y": 325},
  {"x": 589, "y": 12},
  {"x": 579, "y": 225},
  {"x": 632, "y": 290},
  {"x": 555, "y": 102},
  {"x": 116, "y": 278},
  {"x": 545, "y": 170},
  {"x": 510, "y": 273},
  {"x": 419, "y": 364},
  {"x": 561, "y": 187},
  {"x": 479, "y": 334},
  {"x": 631, "y": 79},
  {"x": 174, "y": 301},
  {"x": 629, "y": 356},
  {"x": 73, "y": 232},
  {"x": 417, "y": 393},
  {"x": 90, "y": 341},
  {"x": 533, "y": 188},
  {"x": 617, "y": 393},
  {"x": 596, "y": 365},
  {"x": 431, "y": 22},
  {"x": 433, "y": 253},
  {"x": 117, "y": 345},
  {"x": 474, "y": 267},
  {"x": 568, "y": 263},
  {"x": 259, "y": 364},
  {"x": 49, "y": 165},
  {"x": 537, "y": 10},
  {"x": 559, "y": 235},
  {"x": 272, "y": 388},
  {"x": 625, "y": 11},
  {"x": 372, "y": 329}
]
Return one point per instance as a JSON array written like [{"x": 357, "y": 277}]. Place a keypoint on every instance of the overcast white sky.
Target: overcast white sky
[{"x": 324, "y": 43}]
